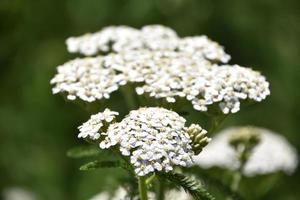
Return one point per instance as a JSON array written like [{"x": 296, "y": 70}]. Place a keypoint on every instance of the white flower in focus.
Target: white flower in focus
[
  {"x": 86, "y": 79},
  {"x": 92, "y": 128},
  {"x": 150, "y": 37},
  {"x": 272, "y": 154},
  {"x": 162, "y": 74},
  {"x": 204, "y": 47},
  {"x": 110, "y": 37},
  {"x": 153, "y": 138}
]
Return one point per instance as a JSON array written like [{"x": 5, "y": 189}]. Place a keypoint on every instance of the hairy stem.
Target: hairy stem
[{"x": 142, "y": 188}]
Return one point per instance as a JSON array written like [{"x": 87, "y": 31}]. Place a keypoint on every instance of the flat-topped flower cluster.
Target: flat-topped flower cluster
[
  {"x": 154, "y": 138},
  {"x": 165, "y": 75},
  {"x": 151, "y": 37},
  {"x": 90, "y": 129}
]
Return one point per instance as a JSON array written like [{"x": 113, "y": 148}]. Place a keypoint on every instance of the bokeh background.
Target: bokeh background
[{"x": 37, "y": 128}]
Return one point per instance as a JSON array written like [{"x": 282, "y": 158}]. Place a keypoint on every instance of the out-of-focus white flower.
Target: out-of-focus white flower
[
  {"x": 272, "y": 154},
  {"x": 122, "y": 194},
  {"x": 92, "y": 128},
  {"x": 154, "y": 139},
  {"x": 162, "y": 74},
  {"x": 16, "y": 193},
  {"x": 101, "y": 196},
  {"x": 151, "y": 37},
  {"x": 177, "y": 195},
  {"x": 119, "y": 194}
]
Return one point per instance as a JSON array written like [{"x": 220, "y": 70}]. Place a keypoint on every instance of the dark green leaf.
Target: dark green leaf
[
  {"x": 99, "y": 164},
  {"x": 220, "y": 186},
  {"x": 84, "y": 151},
  {"x": 189, "y": 184}
]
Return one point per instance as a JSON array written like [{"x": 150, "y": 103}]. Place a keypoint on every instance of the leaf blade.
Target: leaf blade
[
  {"x": 83, "y": 151},
  {"x": 99, "y": 164},
  {"x": 189, "y": 184}
]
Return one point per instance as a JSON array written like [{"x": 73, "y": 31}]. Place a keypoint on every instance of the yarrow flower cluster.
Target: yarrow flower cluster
[
  {"x": 151, "y": 37},
  {"x": 154, "y": 139},
  {"x": 87, "y": 79},
  {"x": 273, "y": 153},
  {"x": 162, "y": 74},
  {"x": 93, "y": 128}
]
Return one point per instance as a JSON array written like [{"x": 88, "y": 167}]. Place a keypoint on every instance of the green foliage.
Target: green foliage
[
  {"x": 106, "y": 164},
  {"x": 84, "y": 151},
  {"x": 218, "y": 185},
  {"x": 99, "y": 164},
  {"x": 189, "y": 184}
]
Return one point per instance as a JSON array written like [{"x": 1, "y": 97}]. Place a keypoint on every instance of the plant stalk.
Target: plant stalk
[
  {"x": 160, "y": 190},
  {"x": 142, "y": 188},
  {"x": 216, "y": 123},
  {"x": 236, "y": 179}
]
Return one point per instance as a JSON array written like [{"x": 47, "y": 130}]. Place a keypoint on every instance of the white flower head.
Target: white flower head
[
  {"x": 273, "y": 153},
  {"x": 163, "y": 75},
  {"x": 150, "y": 37},
  {"x": 86, "y": 79},
  {"x": 93, "y": 128},
  {"x": 203, "y": 47},
  {"x": 154, "y": 139}
]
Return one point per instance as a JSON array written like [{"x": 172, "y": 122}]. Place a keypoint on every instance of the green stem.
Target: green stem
[
  {"x": 142, "y": 188},
  {"x": 216, "y": 123},
  {"x": 238, "y": 174},
  {"x": 160, "y": 190},
  {"x": 236, "y": 179},
  {"x": 129, "y": 97},
  {"x": 150, "y": 179}
]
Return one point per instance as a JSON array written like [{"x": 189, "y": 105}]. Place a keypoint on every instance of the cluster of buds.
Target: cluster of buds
[{"x": 198, "y": 137}]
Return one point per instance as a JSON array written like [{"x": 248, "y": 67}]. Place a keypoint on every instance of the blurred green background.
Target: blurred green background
[{"x": 37, "y": 128}]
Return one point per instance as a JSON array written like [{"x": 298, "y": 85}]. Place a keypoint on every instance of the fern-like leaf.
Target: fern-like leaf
[
  {"x": 99, "y": 164},
  {"x": 189, "y": 184},
  {"x": 83, "y": 151},
  {"x": 220, "y": 186}
]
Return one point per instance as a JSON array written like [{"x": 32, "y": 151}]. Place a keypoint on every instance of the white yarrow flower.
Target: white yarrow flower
[
  {"x": 151, "y": 37},
  {"x": 155, "y": 139},
  {"x": 272, "y": 154},
  {"x": 162, "y": 74},
  {"x": 92, "y": 128}
]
